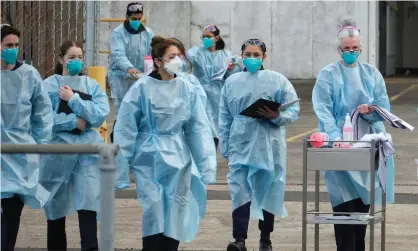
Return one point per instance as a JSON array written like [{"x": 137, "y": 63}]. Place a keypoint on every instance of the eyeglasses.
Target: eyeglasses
[
  {"x": 136, "y": 7},
  {"x": 351, "y": 50},
  {"x": 211, "y": 28},
  {"x": 254, "y": 41}
]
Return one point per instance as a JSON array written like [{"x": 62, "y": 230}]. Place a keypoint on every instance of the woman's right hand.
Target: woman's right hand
[{"x": 81, "y": 123}]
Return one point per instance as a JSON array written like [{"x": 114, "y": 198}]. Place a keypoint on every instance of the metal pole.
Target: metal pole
[
  {"x": 96, "y": 32},
  {"x": 317, "y": 179},
  {"x": 89, "y": 33},
  {"x": 304, "y": 194},
  {"x": 56, "y": 148},
  {"x": 383, "y": 223},
  {"x": 372, "y": 191},
  {"x": 107, "y": 199}
]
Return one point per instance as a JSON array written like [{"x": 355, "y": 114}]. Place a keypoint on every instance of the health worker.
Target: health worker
[
  {"x": 341, "y": 87},
  {"x": 255, "y": 147},
  {"x": 80, "y": 105},
  {"x": 208, "y": 60},
  {"x": 164, "y": 135},
  {"x": 129, "y": 43},
  {"x": 26, "y": 118}
]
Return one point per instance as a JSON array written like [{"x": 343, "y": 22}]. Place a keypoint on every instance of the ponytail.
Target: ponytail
[{"x": 220, "y": 44}]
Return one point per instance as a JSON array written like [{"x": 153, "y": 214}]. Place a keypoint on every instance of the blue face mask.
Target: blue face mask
[
  {"x": 9, "y": 56},
  {"x": 350, "y": 57},
  {"x": 252, "y": 64},
  {"x": 135, "y": 24},
  {"x": 74, "y": 67},
  {"x": 207, "y": 42}
]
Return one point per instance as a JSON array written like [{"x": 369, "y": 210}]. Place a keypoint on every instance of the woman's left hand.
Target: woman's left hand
[
  {"x": 365, "y": 109},
  {"x": 267, "y": 113}
]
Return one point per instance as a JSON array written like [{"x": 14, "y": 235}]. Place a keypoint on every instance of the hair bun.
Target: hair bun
[{"x": 156, "y": 40}]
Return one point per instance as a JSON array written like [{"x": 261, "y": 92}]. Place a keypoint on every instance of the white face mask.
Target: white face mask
[{"x": 174, "y": 66}]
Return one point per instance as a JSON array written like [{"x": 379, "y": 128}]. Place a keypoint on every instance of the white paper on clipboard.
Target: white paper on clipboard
[{"x": 286, "y": 105}]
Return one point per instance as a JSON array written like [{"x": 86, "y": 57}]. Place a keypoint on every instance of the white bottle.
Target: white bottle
[
  {"x": 148, "y": 65},
  {"x": 348, "y": 130}
]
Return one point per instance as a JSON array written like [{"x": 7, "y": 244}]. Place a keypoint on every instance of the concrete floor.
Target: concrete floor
[{"x": 402, "y": 226}]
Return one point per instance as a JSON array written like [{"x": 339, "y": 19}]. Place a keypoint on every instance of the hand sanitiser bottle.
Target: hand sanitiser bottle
[{"x": 348, "y": 131}]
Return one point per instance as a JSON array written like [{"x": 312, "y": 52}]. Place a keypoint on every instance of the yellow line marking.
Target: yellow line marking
[
  {"x": 393, "y": 98},
  {"x": 293, "y": 138},
  {"x": 411, "y": 87}
]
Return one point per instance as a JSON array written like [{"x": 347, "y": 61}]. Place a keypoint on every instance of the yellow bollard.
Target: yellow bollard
[{"x": 99, "y": 74}]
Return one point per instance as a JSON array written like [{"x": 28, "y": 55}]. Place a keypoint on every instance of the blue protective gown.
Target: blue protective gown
[
  {"x": 199, "y": 89},
  {"x": 205, "y": 65},
  {"x": 339, "y": 90},
  {"x": 164, "y": 135},
  {"x": 73, "y": 180},
  {"x": 26, "y": 118},
  {"x": 256, "y": 149},
  {"x": 126, "y": 51}
]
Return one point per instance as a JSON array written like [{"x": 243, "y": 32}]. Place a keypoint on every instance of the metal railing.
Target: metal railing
[{"x": 107, "y": 178}]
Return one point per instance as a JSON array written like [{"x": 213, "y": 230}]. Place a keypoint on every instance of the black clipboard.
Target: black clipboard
[
  {"x": 251, "y": 111},
  {"x": 64, "y": 108}
]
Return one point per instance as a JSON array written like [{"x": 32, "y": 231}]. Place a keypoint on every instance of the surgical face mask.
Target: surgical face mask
[
  {"x": 135, "y": 24},
  {"x": 252, "y": 64},
  {"x": 174, "y": 66},
  {"x": 350, "y": 57},
  {"x": 207, "y": 42},
  {"x": 74, "y": 67},
  {"x": 9, "y": 56}
]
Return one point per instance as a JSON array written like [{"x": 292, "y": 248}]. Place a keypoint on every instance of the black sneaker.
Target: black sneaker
[
  {"x": 265, "y": 244},
  {"x": 236, "y": 246}
]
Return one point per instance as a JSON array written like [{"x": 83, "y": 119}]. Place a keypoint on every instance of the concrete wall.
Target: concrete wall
[{"x": 300, "y": 36}]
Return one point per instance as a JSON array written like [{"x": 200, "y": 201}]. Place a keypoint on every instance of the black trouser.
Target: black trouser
[
  {"x": 10, "y": 221},
  {"x": 87, "y": 222},
  {"x": 159, "y": 242},
  {"x": 351, "y": 237},
  {"x": 111, "y": 134},
  {"x": 241, "y": 218}
]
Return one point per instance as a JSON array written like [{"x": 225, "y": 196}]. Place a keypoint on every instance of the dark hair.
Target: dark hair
[
  {"x": 182, "y": 50},
  {"x": 262, "y": 46},
  {"x": 63, "y": 51},
  {"x": 129, "y": 13},
  {"x": 159, "y": 46},
  {"x": 220, "y": 44},
  {"x": 8, "y": 30}
]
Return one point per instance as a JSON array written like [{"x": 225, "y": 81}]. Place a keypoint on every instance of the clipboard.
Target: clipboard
[
  {"x": 64, "y": 108},
  {"x": 251, "y": 111}
]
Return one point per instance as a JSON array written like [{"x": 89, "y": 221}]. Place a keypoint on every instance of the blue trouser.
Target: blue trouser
[{"x": 241, "y": 218}]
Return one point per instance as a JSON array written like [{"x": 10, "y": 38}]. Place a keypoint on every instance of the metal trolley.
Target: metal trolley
[{"x": 340, "y": 159}]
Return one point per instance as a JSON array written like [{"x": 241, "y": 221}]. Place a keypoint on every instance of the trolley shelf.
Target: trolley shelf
[{"x": 313, "y": 220}]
